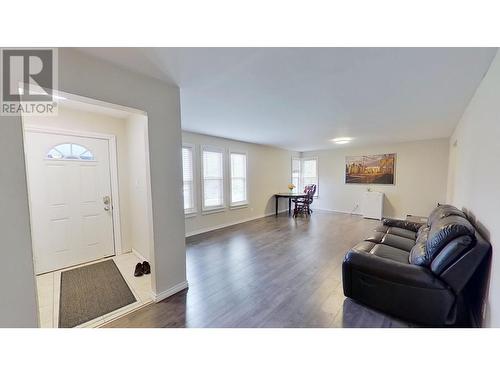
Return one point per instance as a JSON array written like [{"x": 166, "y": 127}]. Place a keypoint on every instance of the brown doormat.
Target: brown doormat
[{"x": 91, "y": 291}]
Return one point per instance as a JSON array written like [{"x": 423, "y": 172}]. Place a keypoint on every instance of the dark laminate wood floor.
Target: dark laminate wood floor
[{"x": 271, "y": 272}]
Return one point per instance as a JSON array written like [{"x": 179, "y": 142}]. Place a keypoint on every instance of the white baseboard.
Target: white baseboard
[
  {"x": 351, "y": 213},
  {"x": 157, "y": 297},
  {"x": 338, "y": 211},
  {"x": 209, "y": 229},
  {"x": 139, "y": 255}
]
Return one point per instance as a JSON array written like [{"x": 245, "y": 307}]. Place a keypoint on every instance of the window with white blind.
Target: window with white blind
[
  {"x": 238, "y": 169},
  {"x": 305, "y": 172},
  {"x": 188, "y": 179},
  {"x": 296, "y": 174},
  {"x": 310, "y": 172},
  {"x": 212, "y": 161}
]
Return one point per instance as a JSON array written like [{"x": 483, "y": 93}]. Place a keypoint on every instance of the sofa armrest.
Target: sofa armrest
[
  {"x": 403, "y": 224},
  {"x": 462, "y": 270},
  {"x": 389, "y": 270}
]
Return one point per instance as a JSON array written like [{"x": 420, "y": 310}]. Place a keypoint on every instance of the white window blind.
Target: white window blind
[
  {"x": 296, "y": 174},
  {"x": 238, "y": 179},
  {"x": 310, "y": 173},
  {"x": 305, "y": 172},
  {"x": 213, "y": 178},
  {"x": 188, "y": 179}
]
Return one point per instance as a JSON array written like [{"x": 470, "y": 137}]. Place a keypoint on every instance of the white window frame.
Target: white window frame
[
  {"x": 223, "y": 206},
  {"x": 245, "y": 202},
  {"x": 194, "y": 210},
  {"x": 71, "y": 156},
  {"x": 300, "y": 187}
]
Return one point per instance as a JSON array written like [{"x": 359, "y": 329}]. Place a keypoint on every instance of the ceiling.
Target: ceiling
[{"x": 300, "y": 98}]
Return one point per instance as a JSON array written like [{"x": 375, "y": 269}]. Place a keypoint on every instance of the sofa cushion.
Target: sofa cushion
[
  {"x": 442, "y": 211},
  {"x": 389, "y": 252},
  {"x": 445, "y": 230},
  {"x": 402, "y": 232},
  {"x": 364, "y": 246},
  {"x": 418, "y": 256},
  {"x": 422, "y": 229},
  {"x": 381, "y": 228},
  {"x": 404, "y": 224},
  {"x": 423, "y": 234},
  {"x": 376, "y": 237},
  {"x": 399, "y": 242}
]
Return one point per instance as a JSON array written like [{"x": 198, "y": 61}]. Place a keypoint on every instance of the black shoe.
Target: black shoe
[
  {"x": 139, "y": 270},
  {"x": 146, "y": 268}
]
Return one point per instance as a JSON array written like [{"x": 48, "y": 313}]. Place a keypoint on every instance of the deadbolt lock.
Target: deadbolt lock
[{"x": 107, "y": 202}]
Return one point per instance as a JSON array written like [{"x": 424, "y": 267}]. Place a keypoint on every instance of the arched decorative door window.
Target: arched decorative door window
[{"x": 70, "y": 151}]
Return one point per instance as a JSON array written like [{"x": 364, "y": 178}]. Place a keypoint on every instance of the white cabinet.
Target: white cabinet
[{"x": 373, "y": 204}]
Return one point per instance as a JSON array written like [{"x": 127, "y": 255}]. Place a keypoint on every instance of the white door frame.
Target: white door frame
[{"x": 113, "y": 169}]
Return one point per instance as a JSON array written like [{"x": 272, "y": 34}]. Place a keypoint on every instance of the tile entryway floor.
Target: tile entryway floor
[{"x": 48, "y": 289}]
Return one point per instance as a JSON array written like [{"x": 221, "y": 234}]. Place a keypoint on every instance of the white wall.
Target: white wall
[
  {"x": 87, "y": 76},
  {"x": 421, "y": 174},
  {"x": 474, "y": 175},
  {"x": 137, "y": 186},
  {"x": 268, "y": 173}
]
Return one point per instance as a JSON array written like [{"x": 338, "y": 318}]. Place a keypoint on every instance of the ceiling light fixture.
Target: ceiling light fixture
[{"x": 342, "y": 140}]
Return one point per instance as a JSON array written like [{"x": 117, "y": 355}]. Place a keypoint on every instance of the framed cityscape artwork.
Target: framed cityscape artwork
[{"x": 371, "y": 169}]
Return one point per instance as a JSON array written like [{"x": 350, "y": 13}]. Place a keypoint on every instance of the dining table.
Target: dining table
[{"x": 290, "y": 196}]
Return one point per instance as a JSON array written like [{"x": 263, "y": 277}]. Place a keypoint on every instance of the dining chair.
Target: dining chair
[{"x": 303, "y": 205}]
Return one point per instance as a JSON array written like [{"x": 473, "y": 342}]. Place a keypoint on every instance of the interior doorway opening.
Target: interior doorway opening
[{"x": 89, "y": 191}]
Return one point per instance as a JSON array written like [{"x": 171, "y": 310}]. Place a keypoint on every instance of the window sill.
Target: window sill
[
  {"x": 209, "y": 211},
  {"x": 239, "y": 206},
  {"x": 190, "y": 214}
]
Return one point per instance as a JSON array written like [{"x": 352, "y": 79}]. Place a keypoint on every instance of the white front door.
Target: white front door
[{"x": 70, "y": 199}]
